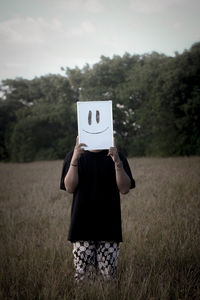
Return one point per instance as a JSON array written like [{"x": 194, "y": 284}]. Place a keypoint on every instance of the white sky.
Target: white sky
[{"x": 37, "y": 37}]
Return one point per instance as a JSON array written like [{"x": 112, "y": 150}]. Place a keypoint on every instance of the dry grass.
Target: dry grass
[{"x": 159, "y": 258}]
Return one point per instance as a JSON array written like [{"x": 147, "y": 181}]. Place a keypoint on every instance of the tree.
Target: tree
[
  {"x": 44, "y": 123},
  {"x": 156, "y": 104}
]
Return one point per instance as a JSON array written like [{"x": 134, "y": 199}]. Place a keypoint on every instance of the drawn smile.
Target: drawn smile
[{"x": 96, "y": 132}]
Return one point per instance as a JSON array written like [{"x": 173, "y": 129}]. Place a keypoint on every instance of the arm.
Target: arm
[
  {"x": 71, "y": 179},
  {"x": 123, "y": 180}
]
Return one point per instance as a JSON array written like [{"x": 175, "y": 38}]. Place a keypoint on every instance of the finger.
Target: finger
[
  {"x": 81, "y": 151},
  {"x": 112, "y": 149},
  {"x": 77, "y": 140},
  {"x": 110, "y": 152},
  {"x": 82, "y": 145}
]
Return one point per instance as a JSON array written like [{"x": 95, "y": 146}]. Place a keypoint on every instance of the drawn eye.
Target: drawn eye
[
  {"x": 90, "y": 118},
  {"x": 97, "y": 116}
]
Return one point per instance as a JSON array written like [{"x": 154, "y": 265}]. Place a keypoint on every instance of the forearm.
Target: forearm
[
  {"x": 123, "y": 180},
  {"x": 71, "y": 179}
]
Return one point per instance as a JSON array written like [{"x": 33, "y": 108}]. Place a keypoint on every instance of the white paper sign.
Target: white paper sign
[{"x": 95, "y": 124}]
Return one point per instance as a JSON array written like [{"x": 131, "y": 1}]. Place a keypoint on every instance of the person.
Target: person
[{"x": 96, "y": 179}]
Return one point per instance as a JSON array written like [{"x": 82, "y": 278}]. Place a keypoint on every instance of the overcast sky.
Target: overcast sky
[{"x": 38, "y": 37}]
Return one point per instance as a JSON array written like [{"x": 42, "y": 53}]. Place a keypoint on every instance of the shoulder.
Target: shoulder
[
  {"x": 68, "y": 156},
  {"x": 124, "y": 160},
  {"x": 122, "y": 156}
]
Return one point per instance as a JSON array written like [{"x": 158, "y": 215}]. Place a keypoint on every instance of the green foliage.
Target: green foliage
[
  {"x": 45, "y": 122},
  {"x": 8, "y": 120},
  {"x": 156, "y": 104}
]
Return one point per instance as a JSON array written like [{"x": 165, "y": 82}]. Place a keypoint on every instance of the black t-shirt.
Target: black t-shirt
[{"x": 95, "y": 212}]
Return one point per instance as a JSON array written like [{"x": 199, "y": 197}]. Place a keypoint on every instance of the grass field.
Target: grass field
[{"x": 160, "y": 255}]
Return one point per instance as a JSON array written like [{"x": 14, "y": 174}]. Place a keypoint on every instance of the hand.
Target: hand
[
  {"x": 78, "y": 150},
  {"x": 113, "y": 153}
]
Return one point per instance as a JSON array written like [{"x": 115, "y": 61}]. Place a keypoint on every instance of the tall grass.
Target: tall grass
[{"x": 160, "y": 255}]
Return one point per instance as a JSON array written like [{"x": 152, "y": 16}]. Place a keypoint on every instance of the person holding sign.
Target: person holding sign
[{"x": 96, "y": 178}]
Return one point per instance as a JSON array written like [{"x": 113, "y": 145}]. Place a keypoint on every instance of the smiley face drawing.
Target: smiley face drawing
[
  {"x": 95, "y": 124},
  {"x": 97, "y": 120}
]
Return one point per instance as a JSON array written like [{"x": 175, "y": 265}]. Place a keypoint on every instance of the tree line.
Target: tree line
[{"x": 156, "y": 106}]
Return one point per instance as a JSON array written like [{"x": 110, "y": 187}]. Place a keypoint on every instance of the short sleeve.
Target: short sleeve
[
  {"x": 65, "y": 168},
  {"x": 127, "y": 169}
]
